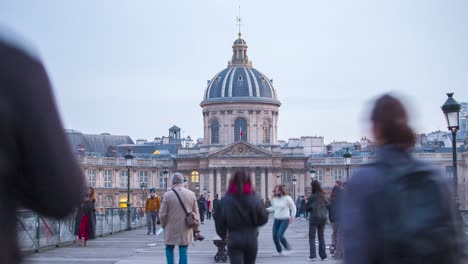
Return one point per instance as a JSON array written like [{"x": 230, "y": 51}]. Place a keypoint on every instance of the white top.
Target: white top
[{"x": 283, "y": 207}]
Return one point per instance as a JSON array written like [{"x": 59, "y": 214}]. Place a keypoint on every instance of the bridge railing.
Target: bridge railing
[{"x": 36, "y": 232}]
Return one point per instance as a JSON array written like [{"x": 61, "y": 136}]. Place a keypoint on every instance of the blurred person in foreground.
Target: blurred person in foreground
[
  {"x": 37, "y": 167},
  {"x": 317, "y": 204},
  {"x": 239, "y": 215},
  {"x": 284, "y": 210},
  {"x": 398, "y": 209},
  {"x": 175, "y": 205}
]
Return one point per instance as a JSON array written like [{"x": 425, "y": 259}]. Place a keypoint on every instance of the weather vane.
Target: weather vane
[{"x": 239, "y": 21}]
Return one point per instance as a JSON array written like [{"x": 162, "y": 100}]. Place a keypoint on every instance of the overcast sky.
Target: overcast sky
[{"x": 138, "y": 67}]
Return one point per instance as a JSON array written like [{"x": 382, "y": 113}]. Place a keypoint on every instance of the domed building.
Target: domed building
[
  {"x": 240, "y": 121},
  {"x": 240, "y": 103}
]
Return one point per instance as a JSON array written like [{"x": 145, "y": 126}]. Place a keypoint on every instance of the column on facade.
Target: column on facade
[
  {"x": 252, "y": 177},
  {"x": 211, "y": 186},
  {"x": 271, "y": 182},
  {"x": 301, "y": 184},
  {"x": 262, "y": 183},
  {"x": 201, "y": 181},
  {"x": 228, "y": 177},
  {"x": 218, "y": 182},
  {"x": 117, "y": 200}
]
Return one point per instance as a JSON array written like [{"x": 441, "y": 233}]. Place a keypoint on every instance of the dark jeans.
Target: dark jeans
[
  {"x": 151, "y": 217},
  {"x": 319, "y": 229},
  {"x": 202, "y": 216},
  {"x": 182, "y": 254},
  {"x": 208, "y": 215},
  {"x": 242, "y": 246},
  {"x": 279, "y": 228}
]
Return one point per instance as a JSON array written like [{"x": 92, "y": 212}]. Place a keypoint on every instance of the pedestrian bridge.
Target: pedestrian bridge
[{"x": 51, "y": 241}]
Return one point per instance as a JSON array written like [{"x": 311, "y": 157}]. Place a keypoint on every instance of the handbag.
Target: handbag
[{"x": 190, "y": 219}]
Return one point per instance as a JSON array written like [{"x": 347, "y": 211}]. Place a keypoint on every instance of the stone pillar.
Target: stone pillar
[
  {"x": 201, "y": 181},
  {"x": 262, "y": 183},
  {"x": 218, "y": 182},
  {"x": 301, "y": 184},
  {"x": 271, "y": 182},
  {"x": 252, "y": 177},
  {"x": 228, "y": 177},
  {"x": 211, "y": 187}
]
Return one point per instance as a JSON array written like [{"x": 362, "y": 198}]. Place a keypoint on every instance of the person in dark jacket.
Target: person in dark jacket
[
  {"x": 35, "y": 155},
  {"x": 202, "y": 208},
  {"x": 335, "y": 247},
  {"x": 317, "y": 204},
  {"x": 215, "y": 204},
  {"x": 85, "y": 223},
  {"x": 372, "y": 205},
  {"x": 240, "y": 213}
]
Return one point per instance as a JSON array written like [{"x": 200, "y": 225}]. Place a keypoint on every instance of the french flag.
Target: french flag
[{"x": 241, "y": 132}]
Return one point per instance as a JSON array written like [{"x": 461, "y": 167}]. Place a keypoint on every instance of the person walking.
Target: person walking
[
  {"x": 302, "y": 208},
  {"x": 335, "y": 247},
  {"x": 175, "y": 203},
  {"x": 202, "y": 208},
  {"x": 35, "y": 156},
  {"x": 84, "y": 221},
  {"x": 284, "y": 210},
  {"x": 317, "y": 204},
  {"x": 240, "y": 213},
  {"x": 152, "y": 205},
  {"x": 215, "y": 204},
  {"x": 208, "y": 209},
  {"x": 298, "y": 206},
  {"x": 398, "y": 209}
]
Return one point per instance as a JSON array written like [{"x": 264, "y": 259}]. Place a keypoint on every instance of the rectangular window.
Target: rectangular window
[
  {"x": 161, "y": 181},
  {"x": 108, "y": 178},
  {"x": 123, "y": 179},
  {"x": 144, "y": 178},
  {"x": 338, "y": 174},
  {"x": 92, "y": 178}
]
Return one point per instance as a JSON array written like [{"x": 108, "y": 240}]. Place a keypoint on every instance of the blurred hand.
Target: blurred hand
[{"x": 291, "y": 219}]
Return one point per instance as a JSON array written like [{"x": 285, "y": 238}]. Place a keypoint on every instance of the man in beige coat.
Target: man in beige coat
[{"x": 172, "y": 217}]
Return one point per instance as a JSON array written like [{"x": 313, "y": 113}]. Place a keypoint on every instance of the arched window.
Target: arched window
[
  {"x": 266, "y": 132},
  {"x": 240, "y": 129},
  {"x": 214, "y": 132}
]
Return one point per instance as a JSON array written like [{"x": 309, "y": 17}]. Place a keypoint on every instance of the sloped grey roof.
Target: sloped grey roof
[{"x": 96, "y": 143}]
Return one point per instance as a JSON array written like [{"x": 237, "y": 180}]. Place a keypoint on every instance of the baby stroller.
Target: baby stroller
[{"x": 222, "y": 254}]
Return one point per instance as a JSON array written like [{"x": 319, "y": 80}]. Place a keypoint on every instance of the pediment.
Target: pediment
[{"x": 238, "y": 150}]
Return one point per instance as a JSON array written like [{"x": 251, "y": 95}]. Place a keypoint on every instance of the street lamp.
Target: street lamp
[
  {"x": 451, "y": 109},
  {"x": 197, "y": 186},
  {"x": 166, "y": 175},
  {"x": 294, "y": 186},
  {"x": 347, "y": 161},
  {"x": 185, "y": 181},
  {"x": 312, "y": 172},
  {"x": 129, "y": 163}
]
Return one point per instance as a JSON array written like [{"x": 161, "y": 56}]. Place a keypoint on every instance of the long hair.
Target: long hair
[
  {"x": 240, "y": 183},
  {"x": 390, "y": 117},
  {"x": 281, "y": 189},
  {"x": 317, "y": 190},
  {"x": 92, "y": 196}
]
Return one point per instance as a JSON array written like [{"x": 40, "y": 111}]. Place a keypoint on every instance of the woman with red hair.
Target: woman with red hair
[{"x": 240, "y": 213}]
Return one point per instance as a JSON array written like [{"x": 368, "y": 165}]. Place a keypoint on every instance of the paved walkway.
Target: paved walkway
[{"x": 136, "y": 247}]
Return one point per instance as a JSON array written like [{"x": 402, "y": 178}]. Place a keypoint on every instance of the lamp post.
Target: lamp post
[
  {"x": 197, "y": 186},
  {"x": 166, "y": 174},
  {"x": 347, "y": 161},
  {"x": 129, "y": 163},
  {"x": 185, "y": 182},
  {"x": 451, "y": 109},
  {"x": 294, "y": 187},
  {"x": 312, "y": 172}
]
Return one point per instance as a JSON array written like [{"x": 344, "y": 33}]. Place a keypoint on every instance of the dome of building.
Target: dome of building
[{"x": 240, "y": 81}]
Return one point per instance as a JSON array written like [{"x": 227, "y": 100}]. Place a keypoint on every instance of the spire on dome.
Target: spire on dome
[{"x": 239, "y": 49}]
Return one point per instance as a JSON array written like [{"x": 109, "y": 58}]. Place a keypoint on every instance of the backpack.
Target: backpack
[{"x": 416, "y": 216}]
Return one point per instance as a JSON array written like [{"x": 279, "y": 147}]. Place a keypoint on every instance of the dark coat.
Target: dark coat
[
  {"x": 202, "y": 205},
  {"x": 361, "y": 213},
  {"x": 240, "y": 216},
  {"x": 38, "y": 170},
  {"x": 318, "y": 208},
  {"x": 87, "y": 208},
  {"x": 335, "y": 203},
  {"x": 215, "y": 205}
]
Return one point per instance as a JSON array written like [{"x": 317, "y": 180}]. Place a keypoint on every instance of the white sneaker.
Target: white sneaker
[
  {"x": 325, "y": 259},
  {"x": 287, "y": 252},
  {"x": 313, "y": 259},
  {"x": 278, "y": 254}
]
